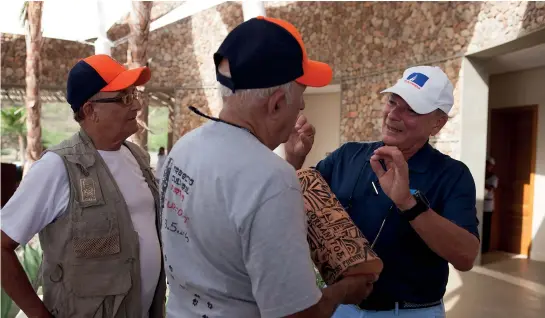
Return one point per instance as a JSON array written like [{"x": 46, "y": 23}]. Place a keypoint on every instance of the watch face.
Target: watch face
[{"x": 422, "y": 197}]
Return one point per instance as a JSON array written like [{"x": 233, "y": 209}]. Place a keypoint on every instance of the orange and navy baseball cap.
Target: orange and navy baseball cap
[
  {"x": 100, "y": 73},
  {"x": 266, "y": 52}
]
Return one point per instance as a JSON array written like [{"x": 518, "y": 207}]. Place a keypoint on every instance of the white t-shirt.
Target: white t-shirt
[
  {"x": 234, "y": 229},
  {"x": 489, "y": 194},
  {"x": 44, "y": 193}
]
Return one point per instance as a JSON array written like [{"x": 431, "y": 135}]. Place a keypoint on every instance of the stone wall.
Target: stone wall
[
  {"x": 368, "y": 44},
  {"x": 58, "y": 57}
]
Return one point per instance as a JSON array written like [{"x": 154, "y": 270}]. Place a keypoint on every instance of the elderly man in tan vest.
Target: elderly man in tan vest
[{"x": 94, "y": 202}]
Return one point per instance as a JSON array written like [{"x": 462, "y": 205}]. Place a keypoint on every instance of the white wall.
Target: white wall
[
  {"x": 324, "y": 112},
  {"x": 473, "y": 84},
  {"x": 526, "y": 88}
]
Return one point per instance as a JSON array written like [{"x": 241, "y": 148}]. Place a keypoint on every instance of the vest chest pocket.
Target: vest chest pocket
[{"x": 94, "y": 223}]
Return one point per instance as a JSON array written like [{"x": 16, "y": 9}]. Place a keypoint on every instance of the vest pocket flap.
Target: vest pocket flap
[
  {"x": 101, "y": 278},
  {"x": 86, "y": 160}
]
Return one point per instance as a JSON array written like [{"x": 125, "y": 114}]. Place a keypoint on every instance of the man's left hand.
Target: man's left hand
[
  {"x": 301, "y": 139},
  {"x": 395, "y": 180}
]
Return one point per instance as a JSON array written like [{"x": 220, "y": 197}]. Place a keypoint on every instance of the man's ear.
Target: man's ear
[
  {"x": 88, "y": 110},
  {"x": 276, "y": 102},
  {"x": 440, "y": 122}
]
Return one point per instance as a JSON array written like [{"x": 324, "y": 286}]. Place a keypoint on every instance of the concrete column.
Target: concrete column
[
  {"x": 474, "y": 119},
  {"x": 102, "y": 44},
  {"x": 252, "y": 9}
]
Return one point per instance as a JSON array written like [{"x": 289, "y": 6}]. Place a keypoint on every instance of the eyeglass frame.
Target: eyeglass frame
[{"x": 136, "y": 95}]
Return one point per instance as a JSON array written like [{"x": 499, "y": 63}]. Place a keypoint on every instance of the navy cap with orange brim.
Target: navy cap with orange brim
[
  {"x": 101, "y": 73},
  {"x": 266, "y": 52}
]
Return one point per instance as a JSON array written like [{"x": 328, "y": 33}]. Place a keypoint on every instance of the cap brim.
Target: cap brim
[
  {"x": 412, "y": 100},
  {"x": 316, "y": 74},
  {"x": 137, "y": 76}
]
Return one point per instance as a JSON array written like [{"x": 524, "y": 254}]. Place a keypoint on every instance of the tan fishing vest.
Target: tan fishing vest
[{"x": 91, "y": 264}]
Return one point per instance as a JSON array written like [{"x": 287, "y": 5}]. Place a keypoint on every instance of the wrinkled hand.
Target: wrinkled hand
[
  {"x": 301, "y": 139},
  {"x": 357, "y": 288},
  {"x": 395, "y": 179}
]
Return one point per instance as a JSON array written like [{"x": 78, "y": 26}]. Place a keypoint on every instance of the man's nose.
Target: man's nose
[{"x": 394, "y": 113}]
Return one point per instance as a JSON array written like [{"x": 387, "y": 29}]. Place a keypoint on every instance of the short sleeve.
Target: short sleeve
[
  {"x": 277, "y": 256},
  {"x": 460, "y": 203},
  {"x": 325, "y": 166},
  {"x": 41, "y": 197}
]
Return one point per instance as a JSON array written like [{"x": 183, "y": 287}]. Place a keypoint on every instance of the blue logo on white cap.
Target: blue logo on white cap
[{"x": 417, "y": 80}]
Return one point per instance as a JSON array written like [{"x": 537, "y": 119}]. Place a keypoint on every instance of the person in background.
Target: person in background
[
  {"x": 490, "y": 185},
  {"x": 95, "y": 204},
  {"x": 160, "y": 161},
  {"x": 415, "y": 204}
]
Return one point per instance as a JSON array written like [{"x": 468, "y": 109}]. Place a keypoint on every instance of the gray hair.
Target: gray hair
[{"x": 249, "y": 95}]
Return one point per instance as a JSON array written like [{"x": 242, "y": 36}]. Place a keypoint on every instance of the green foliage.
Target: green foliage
[
  {"x": 319, "y": 280},
  {"x": 31, "y": 261},
  {"x": 7, "y": 304},
  {"x": 158, "y": 124},
  {"x": 13, "y": 120}
]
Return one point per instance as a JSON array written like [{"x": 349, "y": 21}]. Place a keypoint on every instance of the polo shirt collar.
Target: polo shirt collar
[{"x": 419, "y": 162}]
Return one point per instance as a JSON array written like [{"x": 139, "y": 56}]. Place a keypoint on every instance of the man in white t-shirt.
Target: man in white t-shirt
[
  {"x": 490, "y": 184},
  {"x": 160, "y": 162},
  {"x": 234, "y": 226},
  {"x": 86, "y": 219}
]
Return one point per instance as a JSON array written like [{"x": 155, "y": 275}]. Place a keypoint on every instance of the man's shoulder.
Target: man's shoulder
[
  {"x": 50, "y": 166},
  {"x": 67, "y": 145},
  {"x": 453, "y": 168}
]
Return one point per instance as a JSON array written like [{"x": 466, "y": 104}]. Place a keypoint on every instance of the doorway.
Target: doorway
[{"x": 513, "y": 136}]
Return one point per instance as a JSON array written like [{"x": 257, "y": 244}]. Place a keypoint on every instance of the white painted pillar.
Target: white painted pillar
[
  {"x": 102, "y": 44},
  {"x": 252, "y": 9},
  {"x": 473, "y": 131}
]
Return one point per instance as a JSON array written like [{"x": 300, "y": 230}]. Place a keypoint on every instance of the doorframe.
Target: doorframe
[{"x": 533, "y": 157}]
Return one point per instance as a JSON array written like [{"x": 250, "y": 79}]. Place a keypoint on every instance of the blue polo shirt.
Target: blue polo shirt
[{"x": 412, "y": 271}]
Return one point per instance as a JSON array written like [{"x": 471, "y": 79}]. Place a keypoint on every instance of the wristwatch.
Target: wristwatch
[{"x": 422, "y": 205}]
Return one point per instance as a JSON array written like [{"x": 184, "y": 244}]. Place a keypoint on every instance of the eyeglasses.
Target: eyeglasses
[{"x": 126, "y": 99}]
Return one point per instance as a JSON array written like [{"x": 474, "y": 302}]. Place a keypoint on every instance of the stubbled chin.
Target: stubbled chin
[{"x": 389, "y": 138}]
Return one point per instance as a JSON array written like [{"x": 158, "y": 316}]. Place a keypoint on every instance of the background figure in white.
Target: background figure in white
[{"x": 160, "y": 161}]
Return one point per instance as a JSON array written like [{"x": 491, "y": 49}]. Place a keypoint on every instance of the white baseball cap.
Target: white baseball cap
[{"x": 425, "y": 89}]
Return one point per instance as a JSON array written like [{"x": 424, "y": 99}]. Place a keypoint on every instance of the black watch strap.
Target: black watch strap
[{"x": 421, "y": 206}]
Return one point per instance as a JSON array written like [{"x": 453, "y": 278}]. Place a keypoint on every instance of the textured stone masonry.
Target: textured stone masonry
[{"x": 368, "y": 44}]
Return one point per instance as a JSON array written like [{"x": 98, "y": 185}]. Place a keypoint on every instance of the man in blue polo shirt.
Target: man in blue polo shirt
[{"x": 415, "y": 204}]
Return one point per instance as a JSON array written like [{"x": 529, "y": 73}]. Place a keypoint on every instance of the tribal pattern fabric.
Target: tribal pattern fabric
[{"x": 336, "y": 244}]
